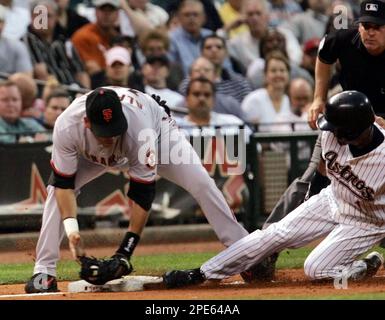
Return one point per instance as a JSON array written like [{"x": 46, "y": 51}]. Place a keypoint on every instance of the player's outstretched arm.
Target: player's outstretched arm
[
  {"x": 66, "y": 201},
  {"x": 322, "y": 77}
]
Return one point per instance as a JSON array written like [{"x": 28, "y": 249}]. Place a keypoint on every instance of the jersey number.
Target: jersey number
[{"x": 131, "y": 100}]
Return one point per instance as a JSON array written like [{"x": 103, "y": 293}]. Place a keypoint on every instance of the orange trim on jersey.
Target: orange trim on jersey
[
  {"x": 142, "y": 181},
  {"x": 60, "y": 173}
]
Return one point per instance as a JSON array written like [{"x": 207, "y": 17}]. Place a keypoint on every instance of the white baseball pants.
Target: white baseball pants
[{"x": 313, "y": 219}]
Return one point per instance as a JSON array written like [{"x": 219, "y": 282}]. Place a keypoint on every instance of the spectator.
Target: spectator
[
  {"x": 131, "y": 44},
  {"x": 132, "y": 23},
  {"x": 282, "y": 10},
  {"x": 68, "y": 20},
  {"x": 17, "y": 20},
  {"x": 300, "y": 96},
  {"x": 155, "y": 72},
  {"x": 31, "y": 105},
  {"x": 273, "y": 40},
  {"x": 231, "y": 15},
  {"x": 173, "y": 21},
  {"x": 200, "y": 102},
  {"x": 245, "y": 47},
  {"x": 11, "y": 121},
  {"x": 14, "y": 55},
  {"x": 155, "y": 15},
  {"x": 214, "y": 48},
  {"x": 52, "y": 56},
  {"x": 118, "y": 71},
  {"x": 213, "y": 21},
  {"x": 311, "y": 23},
  {"x": 229, "y": 83},
  {"x": 309, "y": 58},
  {"x": 157, "y": 43},
  {"x": 262, "y": 106},
  {"x": 129, "y": 22},
  {"x": 186, "y": 39},
  {"x": 55, "y": 104},
  {"x": 93, "y": 39},
  {"x": 223, "y": 103}
]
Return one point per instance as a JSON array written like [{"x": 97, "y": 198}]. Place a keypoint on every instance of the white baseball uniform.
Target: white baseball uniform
[
  {"x": 349, "y": 213},
  {"x": 77, "y": 152}
]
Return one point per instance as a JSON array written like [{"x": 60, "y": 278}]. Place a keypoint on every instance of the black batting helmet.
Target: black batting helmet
[{"x": 347, "y": 115}]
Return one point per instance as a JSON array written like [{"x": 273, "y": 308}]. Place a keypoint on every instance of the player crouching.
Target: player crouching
[{"x": 349, "y": 214}]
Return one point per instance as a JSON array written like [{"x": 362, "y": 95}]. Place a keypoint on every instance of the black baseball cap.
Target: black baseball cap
[
  {"x": 372, "y": 11},
  {"x": 104, "y": 110}
]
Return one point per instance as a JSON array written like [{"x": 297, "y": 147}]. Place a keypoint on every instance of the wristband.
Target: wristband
[{"x": 70, "y": 226}]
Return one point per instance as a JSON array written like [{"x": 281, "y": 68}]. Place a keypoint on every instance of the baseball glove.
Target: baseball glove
[
  {"x": 100, "y": 271},
  {"x": 162, "y": 103}
]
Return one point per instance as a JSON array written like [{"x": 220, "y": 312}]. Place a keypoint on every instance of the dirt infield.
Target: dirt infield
[{"x": 289, "y": 283}]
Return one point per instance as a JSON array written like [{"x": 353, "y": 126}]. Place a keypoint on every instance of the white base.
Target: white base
[{"x": 125, "y": 284}]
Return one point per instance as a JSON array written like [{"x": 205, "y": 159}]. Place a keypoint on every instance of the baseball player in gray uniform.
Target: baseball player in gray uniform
[
  {"x": 119, "y": 128},
  {"x": 349, "y": 213}
]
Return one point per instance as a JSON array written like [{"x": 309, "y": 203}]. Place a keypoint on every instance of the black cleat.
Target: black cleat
[
  {"x": 126, "y": 265},
  {"x": 41, "y": 283},
  {"x": 181, "y": 278},
  {"x": 374, "y": 261},
  {"x": 262, "y": 271}
]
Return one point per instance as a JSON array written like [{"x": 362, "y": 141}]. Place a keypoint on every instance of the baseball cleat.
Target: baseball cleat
[
  {"x": 41, "y": 283},
  {"x": 374, "y": 261},
  {"x": 181, "y": 278},
  {"x": 262, "y": 271}
]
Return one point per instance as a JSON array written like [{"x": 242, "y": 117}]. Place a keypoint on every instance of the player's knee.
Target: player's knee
[{"x": 311, "y": 268}]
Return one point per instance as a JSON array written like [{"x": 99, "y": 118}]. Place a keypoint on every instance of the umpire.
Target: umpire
[{"x": 361, "y": 54}]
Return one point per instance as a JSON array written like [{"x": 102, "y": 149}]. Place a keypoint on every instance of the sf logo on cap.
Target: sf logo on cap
[
  {"x": 371, "y": 7},
  {"x": 107, "y": 114}
]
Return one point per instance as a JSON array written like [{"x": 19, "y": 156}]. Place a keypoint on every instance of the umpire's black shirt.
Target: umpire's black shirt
[{"x": 359, "y": 70}]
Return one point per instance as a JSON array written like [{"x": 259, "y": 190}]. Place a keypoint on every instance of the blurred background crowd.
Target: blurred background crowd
[{"x": 222, "y": 62}]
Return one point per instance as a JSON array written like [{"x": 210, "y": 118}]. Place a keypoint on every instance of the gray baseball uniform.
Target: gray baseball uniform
[{"x": 151, "y": 135}]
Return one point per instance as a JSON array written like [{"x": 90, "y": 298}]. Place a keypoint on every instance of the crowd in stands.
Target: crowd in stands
[{"x": 238, "y": 60}]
